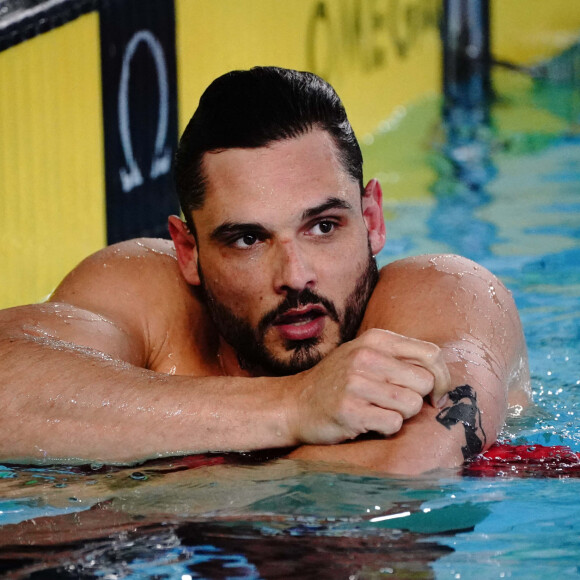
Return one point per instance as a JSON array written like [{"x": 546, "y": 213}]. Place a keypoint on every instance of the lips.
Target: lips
[{"x": 301, "y": 323}]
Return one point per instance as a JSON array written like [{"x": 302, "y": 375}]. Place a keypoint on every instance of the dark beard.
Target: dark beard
[{"x": 248, "y": 342}]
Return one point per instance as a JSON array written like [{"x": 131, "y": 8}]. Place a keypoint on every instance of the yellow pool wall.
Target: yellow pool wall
[{"x": 379, "y": 54}]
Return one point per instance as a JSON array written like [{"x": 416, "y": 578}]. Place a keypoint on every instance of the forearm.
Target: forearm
[
  {"x": 67, "y": 404},
  {"x": 420, "y": 446},
  {"x": 469, "y": 314},
  {"x": 435, "y": 438}
]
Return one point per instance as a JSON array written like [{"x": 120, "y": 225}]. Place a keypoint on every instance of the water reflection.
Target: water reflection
[
  {"x": 280, "y": 519},
  {"x": 464, "y": 166},
  {"x": 463, "y": 156}
]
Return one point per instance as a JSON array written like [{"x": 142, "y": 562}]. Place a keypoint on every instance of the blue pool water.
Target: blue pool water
[{"x": 505, "y": 194}]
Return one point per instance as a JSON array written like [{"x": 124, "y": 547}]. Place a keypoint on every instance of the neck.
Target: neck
[{"x": 228, "y": 360}]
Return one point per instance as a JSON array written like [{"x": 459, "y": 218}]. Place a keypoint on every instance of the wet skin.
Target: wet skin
[
  {"x": 269, "y": 231},
  {"x": 127, "y": 357}
]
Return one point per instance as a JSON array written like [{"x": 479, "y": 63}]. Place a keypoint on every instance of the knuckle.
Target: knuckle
[
  {"x": 395, "y": 423},
  {"x": 361, "y": 356},
  {"x": 395, "y": 393},
  {"x": 352, "y": 386},
  {"x": 378, "y": 335},
  {"x": 425, "y": 381},
  {"x": 432, "y": 351},
  {"x": 415, "y": 404},
  {"x": 373, "y": 333}
]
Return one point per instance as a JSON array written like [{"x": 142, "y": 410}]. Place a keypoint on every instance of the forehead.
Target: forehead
[{"x": 282, "y": 178}]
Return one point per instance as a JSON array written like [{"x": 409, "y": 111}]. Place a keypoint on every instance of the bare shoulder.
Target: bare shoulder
[
  {"x": 436, "y": 295},
  {"x": 128, "y": 301},
  {"x": 458, "y": 305},
  {"x": 465, "y": 310},
  {"x": 436, "y": 272},
  {"x": 127, "y": 270},
  {"x": 137, "y": 286},
  {"x": 126, "y": 256}
]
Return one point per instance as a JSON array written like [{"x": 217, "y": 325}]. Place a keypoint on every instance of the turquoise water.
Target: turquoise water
[{"x": 505, "y": 194}]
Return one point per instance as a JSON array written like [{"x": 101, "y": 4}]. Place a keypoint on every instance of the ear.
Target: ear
[
  {"x": 372, "y": 206},
  {"x": 186, "y": 249}
]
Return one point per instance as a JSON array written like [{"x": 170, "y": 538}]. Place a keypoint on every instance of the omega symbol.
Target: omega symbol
[{"x": 131, "y": 175}]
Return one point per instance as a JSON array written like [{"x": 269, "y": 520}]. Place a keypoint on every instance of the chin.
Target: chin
[{"x": 299, "y": 356}]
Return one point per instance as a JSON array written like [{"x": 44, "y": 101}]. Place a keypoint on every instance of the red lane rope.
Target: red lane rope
[{"x": 503, "y": 459}]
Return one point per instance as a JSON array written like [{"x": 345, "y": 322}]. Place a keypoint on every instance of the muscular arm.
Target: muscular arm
[
  {"x": 75, "y": 380},
  {"x": 120, "y": 366},
  {"x": 68, "y": 404},
  {"x": 469, "y": 314}
]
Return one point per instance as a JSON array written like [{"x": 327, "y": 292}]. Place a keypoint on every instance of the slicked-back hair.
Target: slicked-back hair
[{"x": 254, "y": 108}]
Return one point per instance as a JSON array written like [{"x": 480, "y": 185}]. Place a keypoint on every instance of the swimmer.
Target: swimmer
[{"x": 264, "y": 323}]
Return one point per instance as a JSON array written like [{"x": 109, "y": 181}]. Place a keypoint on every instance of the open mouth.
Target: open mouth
[
  {"x": 301, "y": 315},
  {"x": 301, "y": 323}
]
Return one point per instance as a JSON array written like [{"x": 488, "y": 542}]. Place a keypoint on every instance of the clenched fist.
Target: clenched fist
[{"x": 372, "y": 383}]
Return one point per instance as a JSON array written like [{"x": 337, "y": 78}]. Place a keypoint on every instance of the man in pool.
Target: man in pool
[{"x": 265, "y": 323}]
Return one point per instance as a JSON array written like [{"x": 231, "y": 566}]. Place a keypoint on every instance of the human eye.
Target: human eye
[
  {"x": 245, "y": 241},
  {"x": 324, "y": 227}
]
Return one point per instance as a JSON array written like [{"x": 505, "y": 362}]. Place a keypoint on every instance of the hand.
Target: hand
[{"x": 372, "y": 383}]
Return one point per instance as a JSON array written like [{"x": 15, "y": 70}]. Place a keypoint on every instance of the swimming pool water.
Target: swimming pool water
[{"x": 505, "y": 194}]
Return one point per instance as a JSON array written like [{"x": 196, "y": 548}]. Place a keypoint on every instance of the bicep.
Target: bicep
[
  {"x": 459, "y": 306},
  {"x": 471, "y": 316}
]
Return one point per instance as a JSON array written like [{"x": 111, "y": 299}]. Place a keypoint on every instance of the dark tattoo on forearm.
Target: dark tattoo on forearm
[{"x": 464, "y": 410}]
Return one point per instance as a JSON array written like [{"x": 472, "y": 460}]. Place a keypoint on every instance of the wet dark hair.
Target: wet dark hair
[{"x": 253, "y": 108}]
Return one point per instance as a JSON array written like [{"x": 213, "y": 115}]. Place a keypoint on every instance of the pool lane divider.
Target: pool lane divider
[{"x": 505, "y": 460}]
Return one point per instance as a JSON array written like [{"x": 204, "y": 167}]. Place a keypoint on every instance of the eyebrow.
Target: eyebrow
[
  {"x": 228, "y": 230},
  {"x": 231, "y": 229},
  {"x": 330, "y": 203}
]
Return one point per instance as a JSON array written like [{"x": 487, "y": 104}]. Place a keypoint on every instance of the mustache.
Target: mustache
[{"x": 295, "y": 299}]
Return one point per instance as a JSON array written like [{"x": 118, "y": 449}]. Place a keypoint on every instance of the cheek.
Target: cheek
[
  {"x": 241, "y": 290},
  {"x": 242, "y": 276},
  {"x": 343, "y": 272}
]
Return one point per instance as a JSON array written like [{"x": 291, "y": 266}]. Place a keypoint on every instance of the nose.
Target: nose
[{"x": 293, "y": 269}]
